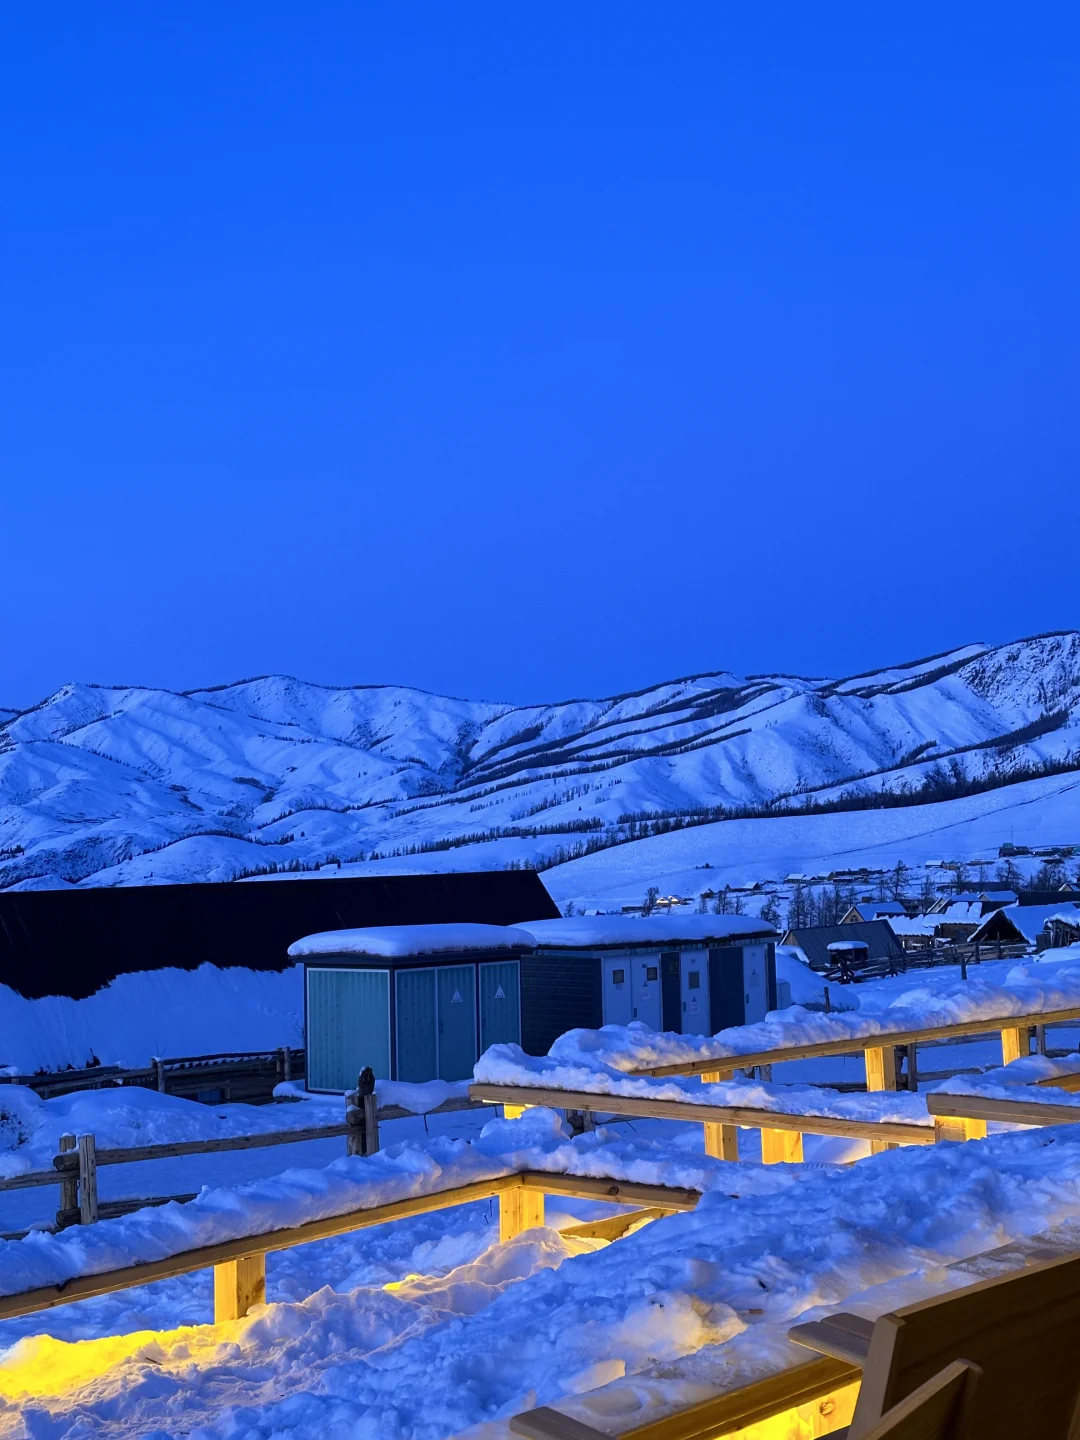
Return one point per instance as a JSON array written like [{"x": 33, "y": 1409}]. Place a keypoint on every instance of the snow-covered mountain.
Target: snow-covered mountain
[{"x": 102, "y": 785}]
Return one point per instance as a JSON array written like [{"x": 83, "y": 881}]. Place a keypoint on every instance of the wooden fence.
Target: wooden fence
[
  {"x": 75, "y": 1166},
  {"x": 240, "y": 1265},
  {"x": 246, "y": 1077}
]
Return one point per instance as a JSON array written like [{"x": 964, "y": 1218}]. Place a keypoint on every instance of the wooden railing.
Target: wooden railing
[
  {"x": 247, "y": 1077},
  {"x": 239, "y": 1265},
  {"x": 75, "y": 1166},
  {"x": 879, "y": 1049},
  {"x": 781, "y": 1131}
]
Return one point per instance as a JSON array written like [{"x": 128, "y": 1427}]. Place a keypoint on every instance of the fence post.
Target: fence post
[
  {"x": 963, "y": 967},
  {"x": 912, "y": 1067},
  {"x": 286, "y": 1063},
  {"x": 354, "y": 1119},
  {"x": 159, "y": 1073},
  {"x": 69, "y": 1180},
  {"x": 365, "y": 1087},
  {"x": 1040, "y": 1039},
  {"x": 362, "y": 1116},
  {"x": 88, "y": 1201}
]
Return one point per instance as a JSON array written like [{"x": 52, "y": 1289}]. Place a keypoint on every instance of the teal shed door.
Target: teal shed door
[
  {"x": 500, "y": 1003},
  {"x": 417, "y": 1037},
  {"x": 457, "y": 1021},
  {"x": 348, "y": 1026}
]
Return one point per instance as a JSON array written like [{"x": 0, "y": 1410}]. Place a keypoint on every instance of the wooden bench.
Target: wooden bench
[
  {"x": 820, "y": 1396},
  {"x": 781, "y": 1132},
  {"x": 240, "y": 1265},
  {"x": 1022, "y": 1331}
]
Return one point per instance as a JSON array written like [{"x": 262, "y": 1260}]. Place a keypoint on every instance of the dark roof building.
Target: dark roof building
[
  {"x": 880, "y": 939},
  {"x": 72, "y": 942}
]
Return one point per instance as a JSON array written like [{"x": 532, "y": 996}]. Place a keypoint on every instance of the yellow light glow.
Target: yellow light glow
[
  {"x": 40, "y": 1365},
  {"x": 400, "y": 1284}
]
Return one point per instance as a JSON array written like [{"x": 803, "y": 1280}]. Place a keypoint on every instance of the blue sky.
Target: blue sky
[{"x": 524, "y": 351}]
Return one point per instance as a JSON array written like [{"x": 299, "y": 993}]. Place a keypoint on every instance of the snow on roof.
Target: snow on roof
[
  {"x": 399, "y": 942},
  {"x": 912, "y": 924},
  {"x": 847, "y": 945},
  {"x": 962, "y": 913},
  {"x": 589, "y": 931},
  {"x": 1030, "y": 919}
]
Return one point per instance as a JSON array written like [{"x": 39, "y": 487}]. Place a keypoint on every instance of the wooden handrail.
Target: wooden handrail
[
  {"x": 751, "y": 1404},
  {"x": 853, "y": 1044},
  {"x": 1011, "y": 1112},
  {"x": 81, "y": 1287},
  {"x": 67, "y": 1162},
  {"x": 896, "y": 1131}
]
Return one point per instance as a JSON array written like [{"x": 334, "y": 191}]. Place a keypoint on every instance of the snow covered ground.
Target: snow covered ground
[
  {"x": 691, "y": 1301},
  {"x": 739, "y": 852}
]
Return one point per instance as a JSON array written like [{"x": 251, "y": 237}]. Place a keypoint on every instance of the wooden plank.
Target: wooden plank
[
  {"x": 720, "y": 1114},
  {"x": 33, "y": 1178},
  {"x": 1020, "y": 1329},
  {"x": 1011, "y": 1112},
  {"x": 780, "y": 1147},
  {"x": 88, "y": 1198},
  {"x": 1070, "y": 1082},
  {"x": 519, "y": 1210},
  {"x": 881, "y": 1067},
  {"x": 721, "y": 1141},
  {"x": 615, "y": 1226},
  {"x": 844, "y": 1336},
  {"x": 854, "y": 1045},
  {"x": 817, "y": 1381},
  {"x": 80, "y": 1287},
  {"x": 69, "y": 1184},
  {"x": 620, "y": 1192},
  {"x": 134, "y": 1153},
  {"x": 1015, "y": 1042},
  {"x": 238, "y": 1285},
  {"x": 543, "y": 1423},
  {"x": 938, "y": 1410}
]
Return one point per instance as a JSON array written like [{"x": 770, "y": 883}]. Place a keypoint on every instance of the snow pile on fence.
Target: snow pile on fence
[
  {"x": 154, "y": 1012},
  {"x": 931, "y": 1000},
  {"x": 509, "y": 1065},
  {"x": 30, "y": 1127},
  {"x": 715, "y": 1288},
  {"x": 539, "y": 1140}
]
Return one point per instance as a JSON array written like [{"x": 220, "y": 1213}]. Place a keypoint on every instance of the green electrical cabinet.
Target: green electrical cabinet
[{"x": 348, "y": 1026}]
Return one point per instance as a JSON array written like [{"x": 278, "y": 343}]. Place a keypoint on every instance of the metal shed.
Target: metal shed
[
  {"x": 692, "y": 974},
  {"x": 414, "y": 1002}
]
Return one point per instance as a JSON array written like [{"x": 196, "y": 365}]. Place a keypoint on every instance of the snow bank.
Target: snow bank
[
  {"x": 398, "y": 942},
  {"x": 154, "y": 1012},
  {"x": 932, "y": 1000},
  {"x": 589, "y": 930},
  {"x": 509, "y": 1065}
]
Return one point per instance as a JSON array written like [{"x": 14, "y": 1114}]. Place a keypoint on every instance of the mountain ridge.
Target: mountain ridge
[{"x": 132, "y": 784}]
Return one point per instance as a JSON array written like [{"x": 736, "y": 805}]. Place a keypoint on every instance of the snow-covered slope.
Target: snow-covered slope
[{"x": 106, "y": 785}]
